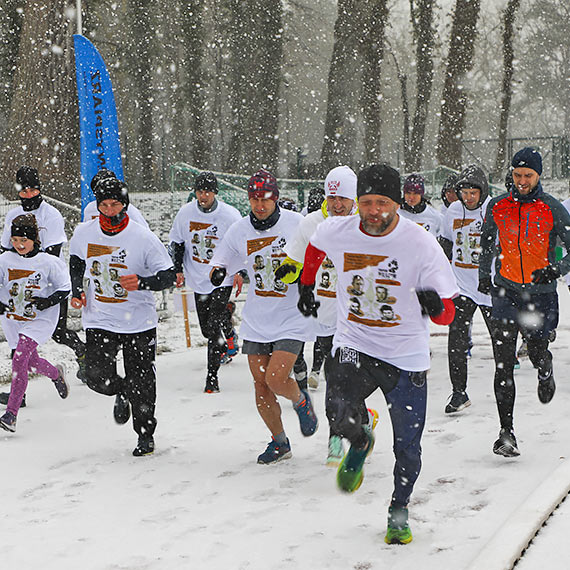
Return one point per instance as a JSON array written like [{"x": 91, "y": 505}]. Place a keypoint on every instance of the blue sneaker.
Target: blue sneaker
[
  {"x": 307, "y": 417},
  {"x": 8, "y": 422},
  {"x": 275, "y": 453}
]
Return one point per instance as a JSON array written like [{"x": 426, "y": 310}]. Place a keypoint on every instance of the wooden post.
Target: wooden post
[{"x": 183, "y": 292}]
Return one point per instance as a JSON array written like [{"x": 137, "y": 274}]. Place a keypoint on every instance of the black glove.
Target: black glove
[
  {"x": 284, "y": 270},
  {"x": 218, "y": 276},
  {"x": 485, "y": 286},
  {"x": 307, "y": 304},
  {"x": 3, "y": 308},
  {"x": 430, "y": 301},
  {"x": 41, "y": 303},
  {"x": 545, "y": 275}
]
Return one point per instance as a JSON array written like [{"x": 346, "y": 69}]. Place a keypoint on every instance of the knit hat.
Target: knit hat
[
  {"x": 341, "y": 181},
  {"x": 207, "y": 182},
  {"x": 263, "y": 185},
  {"x": 415, "y": 183},
  {"x": 528, "y": 158},
  {"x": 379, "y": 179},
  {"x": 26, "y": 226},
  {"x": 111, "y": 189},
  {"x": 101, "y": 175},
  {"x": 28, "y": 177}
]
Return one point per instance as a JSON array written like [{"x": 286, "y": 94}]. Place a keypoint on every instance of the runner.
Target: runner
[
  {"x": 119, "y": 308},
  {"x": 196, "y": 233},
  {"x": 380, "y": 344},
  {"x": 272, "y": 329}
]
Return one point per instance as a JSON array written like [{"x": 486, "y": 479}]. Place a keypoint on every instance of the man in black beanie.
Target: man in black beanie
[
  {"x": 52, "y": 237},
  {"x": 380, "y": 342},
  {"x": 519, "y": 235}
]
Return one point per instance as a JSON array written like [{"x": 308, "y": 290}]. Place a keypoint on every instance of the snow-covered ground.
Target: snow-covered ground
[{"x": 74, "y": 496}]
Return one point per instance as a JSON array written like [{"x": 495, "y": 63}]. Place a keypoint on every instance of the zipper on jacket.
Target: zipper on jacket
[{"x": 519, "y": 244}]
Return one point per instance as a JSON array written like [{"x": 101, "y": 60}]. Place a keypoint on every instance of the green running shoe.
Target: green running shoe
[
  {"x": 350, "y": 471},
  {"x": 398, "y": 531},
  {"x": 398, "y": 535}
]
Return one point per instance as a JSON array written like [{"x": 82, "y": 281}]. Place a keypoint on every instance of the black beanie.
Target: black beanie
[
  {"x": 528, "y": 158},
  {"x": 28, "y": 177},
  {"x": 379, "y": 179},
  {"x": 26, "y": 226},
  {"x": 207, "y": 182},
  {"x": 103, "y": 174},
  {"x": 111, "y": 189}
]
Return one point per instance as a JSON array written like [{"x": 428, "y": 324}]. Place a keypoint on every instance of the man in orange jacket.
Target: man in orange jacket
[{"x": 519, "y": 234}]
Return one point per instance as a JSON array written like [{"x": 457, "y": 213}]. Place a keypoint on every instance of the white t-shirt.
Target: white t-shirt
[
  {"x": 378, "y": 312},
  {"x": 91, "y": 212},
  {"x": 325, "y": 290},
  {"x": 462, "y": 227},
  {"x": 201, "y": 233},
  {"x": 270, "y": 312},
  {"x": 134, "y": 250},
  {"x": 22, "y": 278},
  {"x": 429, "y": 219},
  {"x": 50, "y": 223}
]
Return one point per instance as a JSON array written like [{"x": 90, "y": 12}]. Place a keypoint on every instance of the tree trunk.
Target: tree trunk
[
  {"x": 372, "y": 48},
  {"x": 43, "y": 125},
  {"x": 257, "y": 54},
  {"x": 142, "y": 167},
  {"x": 10, "y": 27},
  {"x": 194, "y": 86},
  {"x": 422, "y": 21},
  {"x": 509, "y": 17},
  {"x": 454, "y": 98},
  {"x": 340, "y": 133}
]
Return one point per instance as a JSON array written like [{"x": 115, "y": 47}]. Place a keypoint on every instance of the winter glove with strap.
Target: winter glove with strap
[
  {"x": 545, "y": 275},
  {"x": 288, "y": 271},
  {"x": 218, "y": 275},
  {"x": 485, "y": 286},
  {"x": 307, "y": 304}
]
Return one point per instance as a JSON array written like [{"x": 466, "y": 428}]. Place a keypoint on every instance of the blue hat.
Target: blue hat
[{"x": 528, "y": 158}]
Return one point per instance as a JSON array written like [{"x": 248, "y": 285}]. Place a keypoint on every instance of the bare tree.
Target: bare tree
[
  {"x": 422, "y": 24},
  {"x": 372, "y": 47},
  {"x": 141, "y": 167},
  {"x": 193, "y": 86},
  {"x": 42, "y": 129},
  {"x": 454, "y": 98},
  {"x": 256, "y": 59},
  {"x": 340, "y": 120},
  {"x": 509, "y": 16}
]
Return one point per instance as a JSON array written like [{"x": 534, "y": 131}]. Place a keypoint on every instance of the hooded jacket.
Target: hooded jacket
[{"x": 520, "y": 233}]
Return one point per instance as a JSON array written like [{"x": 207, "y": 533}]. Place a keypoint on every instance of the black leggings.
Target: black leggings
[
  {"x": 139, "y": 383},
  {"x": 215, "y": 323},
  {"x": 62, "y": 335},
  {"x": 458, "y": 339},
  {"x": 321, "y": 349},
  {"x": 505, "y": 342}
]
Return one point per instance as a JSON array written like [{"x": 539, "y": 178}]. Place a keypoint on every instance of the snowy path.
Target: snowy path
[{"x": 73, "y": 494}]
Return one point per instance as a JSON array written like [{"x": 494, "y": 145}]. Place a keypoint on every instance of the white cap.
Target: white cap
[{"x": 341, "y": 181}]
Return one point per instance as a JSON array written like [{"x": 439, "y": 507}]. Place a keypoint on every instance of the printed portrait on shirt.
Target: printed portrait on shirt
[
  {"x": 259, "y": 263},
  {"x": 325, "y": 280},
  {"x": 373, "y": 289},
  {"x": 259, "y": 281},
  {"x": 95, "y": 268},
  {"x": 459, "y": 238},
  {"x": 23, "y": 285},
  {"x": 107, "y": 263},
  {"x": 357, "y": 286}
]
